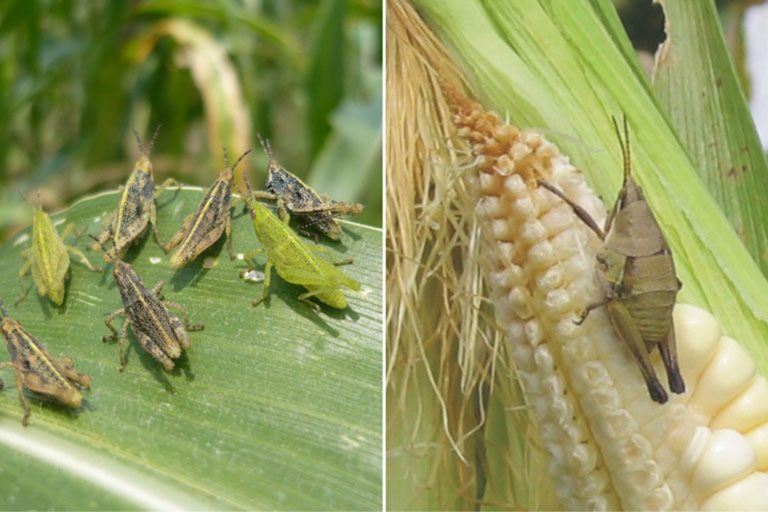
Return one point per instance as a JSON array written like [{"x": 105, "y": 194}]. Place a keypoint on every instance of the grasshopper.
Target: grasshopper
[
  {"x": 299, "y": 199},
  {"x": 48, "y": 258},
  {"x": 203, "y": 228},
  {"x": 158, "y": 331},
  {"x": 136, "y": 207},
  {"x": 637, "y": 275},
  {"x": 294, "y": 261},
  {"x": 35, "y": 369}
]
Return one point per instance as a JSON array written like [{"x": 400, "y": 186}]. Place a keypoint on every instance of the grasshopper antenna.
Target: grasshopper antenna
[
  {"x": 138, "y": 140},
  {"x": 624, "y": 143},
  {"x": 266, "y": 145},
  {"x": 249, "y": 191},
  {"x": 3, "y": 309},
  {"x": 267, "y": 149},
  {"x": 226, "y": 156},
  {"x": 247, "y": 151},
  {"x": 154, "y": 138},
  {"x": 146, "y": 150},
  {"x": 98, "y": 244}
]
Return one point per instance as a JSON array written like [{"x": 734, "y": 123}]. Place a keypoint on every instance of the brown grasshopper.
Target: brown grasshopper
[
  {"x": 294, "y": 195},
  {"x": 35, "y": 369},
  {"x": 157, "y": 330},
  {"x": 203, "y": 228},
  {"x": 637, "y": 275},
  {"x": 136, "y": 207}
]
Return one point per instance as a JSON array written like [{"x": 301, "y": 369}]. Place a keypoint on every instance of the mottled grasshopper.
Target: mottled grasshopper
[
  {"x": 294, "y": 195},
  {"x": 136, "y": 207},
  {"x": 203, "y": 228},
  {"x": 35, "y": 369},
  {"x": 48, "y": 258},
  {"x": 295, "y": 262},
  {"x": 637, "y": 275},
  {"x": 157, "y": 330}
]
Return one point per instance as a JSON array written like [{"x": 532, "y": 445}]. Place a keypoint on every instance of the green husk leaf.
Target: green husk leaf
[
  {"x": 275, "y": 407},
  {"x": 699, "y": 90}
]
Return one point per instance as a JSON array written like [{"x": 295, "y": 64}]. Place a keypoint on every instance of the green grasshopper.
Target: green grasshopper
[
  {"x": 136, "y": 207},
  {"x": 35, "y": 369},
  {"x": 48, "y": 258},
  {"x": 203, "y": 228},
  {"x": 637, "y": 275},
  {"x": 294, "y": 195},
  {"x": 295, "y": 261}
]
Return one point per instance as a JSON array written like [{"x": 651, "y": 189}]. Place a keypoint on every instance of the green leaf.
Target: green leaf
[
  {"x": 275, "y": 407},
  {"x": 699, "y": 91},
  {"x": 325, "y": 76},
  {"x": 348, "y": 167}
]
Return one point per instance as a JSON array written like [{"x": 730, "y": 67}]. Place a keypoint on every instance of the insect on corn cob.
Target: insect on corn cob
[
  {"x": 136, "y": 208},
  {"x": 609, "y": 446},
  {"x": 203, "y": 228},
  {"x": 48, "y": 258},
  {"x": 34, "y": 368},
  {"x": 637, "y": 275},
  {"x": 294, "y": 195}
]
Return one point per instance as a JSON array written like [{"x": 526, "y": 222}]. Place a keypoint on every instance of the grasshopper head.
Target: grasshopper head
[
  {"x": 226, "y": 174},
  {"x": 121, "y": 268},
  {"x": 143, "y": 164},
  {"x": 273, "y": 165},
  {"x": 631, "y": 192},
  {"x": 259, "y": 211},
  {"x": 41, "y": 220}
]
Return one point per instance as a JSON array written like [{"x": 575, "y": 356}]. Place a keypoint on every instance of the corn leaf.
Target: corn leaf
[
  {"x": 325, "y": 76},
  {"x": 275, "y": 407}
]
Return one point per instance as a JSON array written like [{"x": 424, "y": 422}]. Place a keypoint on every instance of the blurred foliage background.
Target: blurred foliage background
[{"x": 77, "y": 76}]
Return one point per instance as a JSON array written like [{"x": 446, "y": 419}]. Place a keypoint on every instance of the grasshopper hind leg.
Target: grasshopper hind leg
[
  {"x": 669, "y": 356},
  {"x": 628, "y": 332}
]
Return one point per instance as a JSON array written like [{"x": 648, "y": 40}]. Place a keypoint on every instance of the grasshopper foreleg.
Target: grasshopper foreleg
[
  {"x": 584, "y": 314},
  {"x": 267, "y": 277},
  {"x": 228, "y": 234},
  {"x": 164, "y": 185},
  {"x": 77, "y": 252}
]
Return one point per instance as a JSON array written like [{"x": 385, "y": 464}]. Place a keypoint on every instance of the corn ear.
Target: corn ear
[{"x": 610, "y": 447}]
